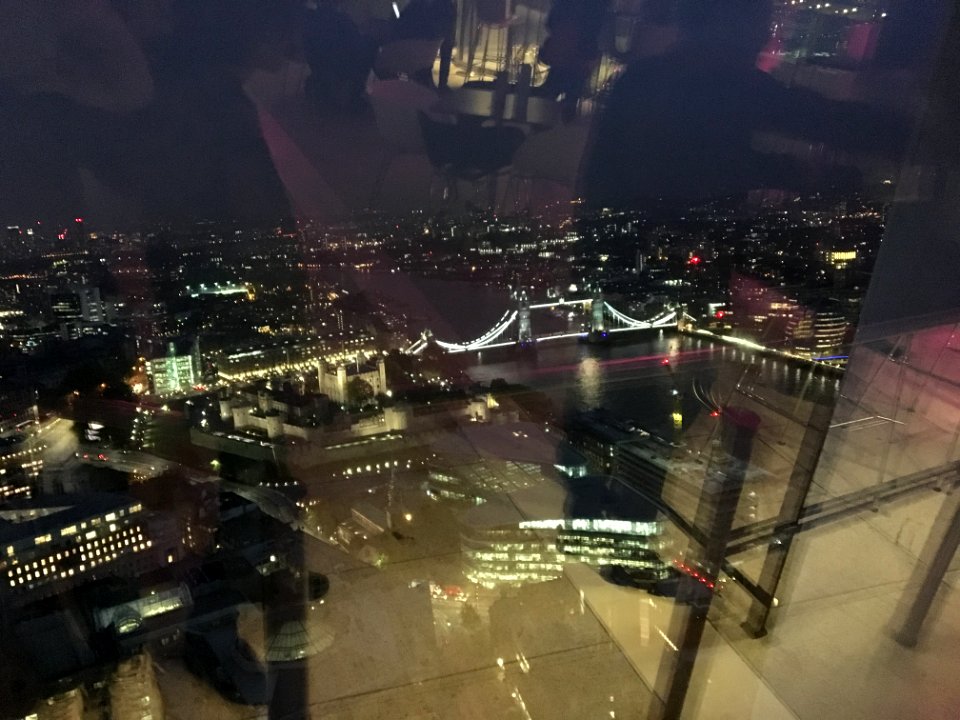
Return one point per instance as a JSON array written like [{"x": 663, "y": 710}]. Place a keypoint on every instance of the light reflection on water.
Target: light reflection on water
[
  {"x": 589, "y": 382},
  {"x": 632, "y": 380}
]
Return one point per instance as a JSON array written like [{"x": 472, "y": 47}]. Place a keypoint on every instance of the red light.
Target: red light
[
  {"x": 695, "y": 260},
  {"x": 720, "y": 314},
  {"x": 715, "y": 413},
  {"x": 101, "y": 457},
  {"x": 78, "y": 220},
  {"x": 665, "y": 361}
]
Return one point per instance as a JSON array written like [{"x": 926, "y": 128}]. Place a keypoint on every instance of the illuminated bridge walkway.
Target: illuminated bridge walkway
[{"x": 516, "y": 327}]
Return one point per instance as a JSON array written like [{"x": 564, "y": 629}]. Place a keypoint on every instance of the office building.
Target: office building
[
  {"x": 817, "y": 332},
  {"x": 52, "y": 544},
  {"x": 176, "y": 372}
]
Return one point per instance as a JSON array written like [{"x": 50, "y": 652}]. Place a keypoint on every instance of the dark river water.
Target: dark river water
[{"x": 631, "y": 380}]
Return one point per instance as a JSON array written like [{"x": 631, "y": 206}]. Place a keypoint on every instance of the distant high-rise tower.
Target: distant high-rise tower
[
  {"x": 14, "y": 244},
  {"x": 76, "y": 234}
]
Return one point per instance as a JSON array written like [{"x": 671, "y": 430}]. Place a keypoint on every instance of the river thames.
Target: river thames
[
  {"x": 632, "y": 380},
  {"x": 628, "y": 377}
]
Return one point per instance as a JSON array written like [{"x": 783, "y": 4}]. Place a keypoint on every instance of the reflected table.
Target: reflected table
[{"x": 481, "y": 103}]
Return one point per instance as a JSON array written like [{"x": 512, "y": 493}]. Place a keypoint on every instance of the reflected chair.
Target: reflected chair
[
  {"x": 553, "y": 156},
  {"x": 468, "y": 152},
  {"x": 396, "y": 105}
]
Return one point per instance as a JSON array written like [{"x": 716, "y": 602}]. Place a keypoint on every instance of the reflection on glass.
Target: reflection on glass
[{"x": 470, "y": 358}]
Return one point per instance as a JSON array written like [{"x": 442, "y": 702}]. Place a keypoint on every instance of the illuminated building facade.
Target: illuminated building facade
[
  {"x": 251, "y": 363},
  {"x": 128, "y": 617},
  {"x": 11, "y": 489},
  {"x": 841, "y": 258},
  {"x": 500, "y": 547},
  {"x": 174, "y": 373},
  {"x": 48, "y": 548},
  {"x": 819, "y": 333}
]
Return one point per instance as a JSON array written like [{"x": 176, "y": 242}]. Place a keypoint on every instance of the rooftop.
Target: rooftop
[{"x": 21, "y": 519}]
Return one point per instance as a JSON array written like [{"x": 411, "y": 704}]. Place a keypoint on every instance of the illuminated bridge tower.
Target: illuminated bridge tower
[
  {"x": 524, "y": 326},
  {"x": 684, "y": 323},
  {"x": 598, "y": 324}
]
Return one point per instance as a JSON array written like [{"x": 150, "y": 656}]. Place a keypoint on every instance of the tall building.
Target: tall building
[
  {"x": 76, "y": 235},
  {"x": 66, "y": 306},
  {"x": 15, "y": 245},
  {"x": 817, "y": 332},
  {"x": 79, "y": 303}
]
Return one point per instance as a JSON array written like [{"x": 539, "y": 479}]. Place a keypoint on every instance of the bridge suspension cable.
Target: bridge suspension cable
[
  {"x": 625, "y": 319},
  {"x": 493, "y": 337},
  {"x": 663, "y": 320},
  {"x": 485, "y": 340}
]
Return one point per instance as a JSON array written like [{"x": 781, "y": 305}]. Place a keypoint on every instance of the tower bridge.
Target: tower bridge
[{"x": 516, "y": 327}]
